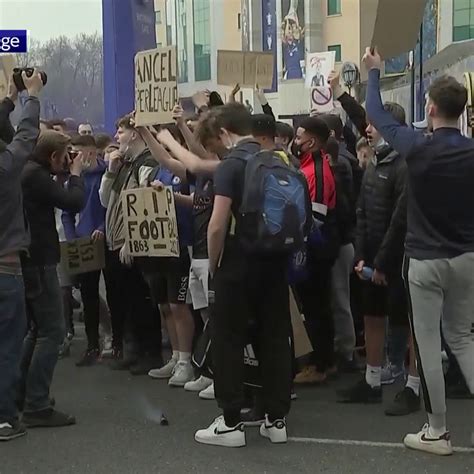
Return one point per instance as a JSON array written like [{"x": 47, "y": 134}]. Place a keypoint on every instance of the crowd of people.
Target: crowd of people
[{"x": 365, "y": 223}]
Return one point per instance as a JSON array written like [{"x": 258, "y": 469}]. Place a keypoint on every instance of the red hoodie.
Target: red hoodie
[{"x": 308, "y": 169}]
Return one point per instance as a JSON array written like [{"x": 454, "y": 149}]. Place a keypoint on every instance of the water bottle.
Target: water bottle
[{"x": 367, "y": 273}]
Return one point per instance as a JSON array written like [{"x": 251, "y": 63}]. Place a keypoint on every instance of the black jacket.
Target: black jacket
[
  {"x": 382, "y": 212},
  {"x": 41, "y": 195},
  {"x": 13, "y": 235}
]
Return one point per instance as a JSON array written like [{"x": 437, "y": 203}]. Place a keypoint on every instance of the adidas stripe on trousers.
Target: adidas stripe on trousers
[{"x": 441, "y": 292}]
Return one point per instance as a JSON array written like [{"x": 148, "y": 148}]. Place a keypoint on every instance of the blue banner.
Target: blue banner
[
  {"x": 128, "y": 27},
  {"x": 269, "y": 40}
]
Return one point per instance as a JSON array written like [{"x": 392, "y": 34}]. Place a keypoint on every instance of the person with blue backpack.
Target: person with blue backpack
[{"x": 261, "y": 214}]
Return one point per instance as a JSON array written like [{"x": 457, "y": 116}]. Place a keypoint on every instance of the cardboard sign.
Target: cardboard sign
[
  {"x": 156, "y": 88},
  {"x": 245, "y": 68},
  {"x": 151, "y": 228},
  {"x": 7, "y": 63},
  {"x": 302, "y": 343},
  {"x": 392, "y": 18},
  {"x": 82, "y": 256},
  {"x": 321, "y": 100}
]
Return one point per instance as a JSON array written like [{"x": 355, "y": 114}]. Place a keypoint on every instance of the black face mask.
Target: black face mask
[{"x": 297, "y": 150}]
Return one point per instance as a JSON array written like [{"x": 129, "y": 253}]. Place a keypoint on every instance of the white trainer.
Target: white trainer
[
  {"x": 275, "y": 432},
  {"x": 164, "y": 372},
  {"x": 422, "y": 441},
  {"x": 183, "y": 373},
  {"x": 219, "y": 434},
  {"x": 198, "y": 385},
  {"x": 208, "y": 393}
]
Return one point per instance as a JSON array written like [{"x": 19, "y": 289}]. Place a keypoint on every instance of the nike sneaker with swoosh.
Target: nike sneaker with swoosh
[{"x": 422, "y": 441}]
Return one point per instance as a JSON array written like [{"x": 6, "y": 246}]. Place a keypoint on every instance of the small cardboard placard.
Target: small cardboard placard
[
  {"x": 151, "y": 228},
  {"x": 82, "y": 256},
  {"x": 392, "y": 18},
  {"x": 7, "y": 64},
  {"x": 156, "y": 87},
  {"x": 245, "y": 68}
]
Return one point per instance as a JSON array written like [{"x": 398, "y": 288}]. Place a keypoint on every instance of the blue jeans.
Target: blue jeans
[
  {"x": 12, "y": 332},
  {"x": 46, "y": 334}
]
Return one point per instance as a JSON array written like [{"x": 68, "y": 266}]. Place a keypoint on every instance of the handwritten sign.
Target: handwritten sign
[
  {"x": 245, "y": 68},
  {"x": 151, "y": 228},
  {"x": 321, "y": 100},
  {"x": 82, "y": 256},
  {"x": 156, "y": 89},
  {"x": 7, "y": 63}
]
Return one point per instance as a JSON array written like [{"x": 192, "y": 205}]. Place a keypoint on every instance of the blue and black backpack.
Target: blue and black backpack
[{"x": 275, "y": 212}]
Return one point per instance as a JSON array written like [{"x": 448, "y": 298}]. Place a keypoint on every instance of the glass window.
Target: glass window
[
  {"x": 158, "y": 17},
  {"x": 337, "y": 48},
  {"x": 202, "y": 40},
  {"x": 334, "y": 7},
  {"x": 463, "y": 20},
  {"x": 182, "y": 42}
]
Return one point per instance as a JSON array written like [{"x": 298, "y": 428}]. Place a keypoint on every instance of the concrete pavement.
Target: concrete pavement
[{"x": 118, "y": 433}]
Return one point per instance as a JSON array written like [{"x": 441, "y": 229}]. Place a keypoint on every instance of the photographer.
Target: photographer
[
  {"x": 13, "y": 240},
  {"x": 43, "y": 295}
]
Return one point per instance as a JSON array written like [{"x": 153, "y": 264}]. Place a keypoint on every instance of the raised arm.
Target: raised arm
[
  {"x": 190, "y": 161},
  {"x": 161, "y": 155},
  {"x": 400, "y": 137}
]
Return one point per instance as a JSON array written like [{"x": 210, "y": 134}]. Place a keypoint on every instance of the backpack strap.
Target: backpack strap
[{"x": 319, "y": 206}]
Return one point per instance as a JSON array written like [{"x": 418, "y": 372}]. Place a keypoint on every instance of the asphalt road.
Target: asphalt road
[{"x": 118, "y": 433}]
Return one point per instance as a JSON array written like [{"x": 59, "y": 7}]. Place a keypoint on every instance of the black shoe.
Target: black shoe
[
  {"x": 90, "y": 357},
  {"x": 48, "y": 418},
  {"x": 252, "y": 417},
  {"x": 405, "y": 402},
  {"x": 11, "y": 430},
  {"x": 143, "y": 365},
  {"x": 362, "y": 392}
]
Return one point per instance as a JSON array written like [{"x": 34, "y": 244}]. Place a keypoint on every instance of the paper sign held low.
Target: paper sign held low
[
  {"x": 82, "y": 256},
  {"x": 151, "y": 228}
]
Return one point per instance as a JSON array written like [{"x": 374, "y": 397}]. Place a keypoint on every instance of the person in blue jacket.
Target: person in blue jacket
[{"x": 89, "y": 222}]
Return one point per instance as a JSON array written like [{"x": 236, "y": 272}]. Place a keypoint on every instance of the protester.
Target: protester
[
  {"x": 127, "y": 293},
  {"x": 364, "y": 153},
  {"x": 59, "y": 126},
  {"x": 45, "y": 125},
  {"x": 284, "y": 136},
  {"x": 168, "y": 277},
  {"x": 381, "y": 230},
  {"x": 102, "y": 141},
  {"x": 439, "y": 244},
  {"x": 239, "y": 282},
  {"x": 315, "y": 291},
  {"x": 85, "y": 129},
  {"x": 43, "y": 296},
  {"x": 89, "y": 223},
  {"x": 15, "y": 149}
]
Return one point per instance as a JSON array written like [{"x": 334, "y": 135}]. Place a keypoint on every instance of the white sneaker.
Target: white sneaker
[
  {"x": 219, "y": 434},
  {"x": 198, "y": 385},
  {"x": 423, "y": 442},
  {"x": 183, "y": 373},
  {"x": 164, "y": 372},
  {"x": 275, "y": 432},
  {"x": 208, "y": 393}
]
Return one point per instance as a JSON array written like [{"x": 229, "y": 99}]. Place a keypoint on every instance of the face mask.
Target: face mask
[{"x": 297, "y": 150}]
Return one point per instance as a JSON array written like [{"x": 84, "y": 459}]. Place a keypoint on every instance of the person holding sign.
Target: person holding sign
[
  {"x": 90, "y": 223},
  {"x": 168, "y": 276},
  {"x": 41, "y": 196},
  {"x": 127, "y": 293}
]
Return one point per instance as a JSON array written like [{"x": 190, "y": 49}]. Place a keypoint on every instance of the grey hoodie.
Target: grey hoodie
[{"x": 13, "y": 234}]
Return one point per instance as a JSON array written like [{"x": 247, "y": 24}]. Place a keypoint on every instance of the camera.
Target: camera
[{"x": 18, "y": 80}]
